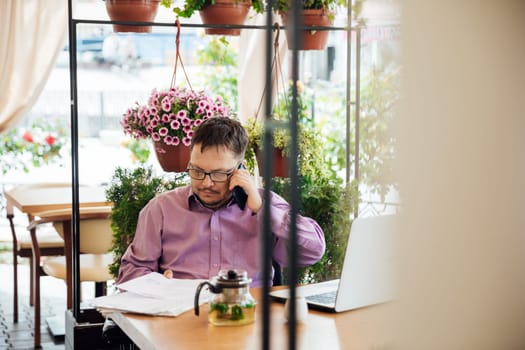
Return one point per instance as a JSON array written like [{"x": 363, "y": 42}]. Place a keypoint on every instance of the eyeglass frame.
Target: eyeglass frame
[{"x": 210, "y": 174}]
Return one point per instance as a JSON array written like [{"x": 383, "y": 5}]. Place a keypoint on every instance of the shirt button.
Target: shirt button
[
  {"x": 215, "y": 265},
  {"x": 215, "y": 238}
]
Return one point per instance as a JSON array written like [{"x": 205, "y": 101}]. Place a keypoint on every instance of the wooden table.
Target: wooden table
[
  {"x": 34, "y": 199},
  {"x": 365, "y": 328}
]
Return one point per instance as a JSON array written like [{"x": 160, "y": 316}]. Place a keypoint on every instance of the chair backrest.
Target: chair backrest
[
  {"x": 95, "y": 234},
  {"x": 95, "y": 227}
]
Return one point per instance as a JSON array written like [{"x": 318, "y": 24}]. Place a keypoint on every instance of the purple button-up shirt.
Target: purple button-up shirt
[{"x": 176, "y": 232}]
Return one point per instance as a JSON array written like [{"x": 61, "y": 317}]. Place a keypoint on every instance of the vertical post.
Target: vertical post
[
  {"x": 266, "y": 237},
  {"x": 295, "y": 192},
  {"x": 74, "y": 159},
  {"x": 348, "y": 89},
  {"x": 357, "y": 108}
]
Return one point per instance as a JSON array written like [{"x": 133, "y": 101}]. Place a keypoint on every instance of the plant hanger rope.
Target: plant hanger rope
[
  {"x": 276, "y": 63},
  {"x": 178, "y": 58}
]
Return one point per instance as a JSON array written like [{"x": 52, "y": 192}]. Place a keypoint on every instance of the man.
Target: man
[{"x": 194, "y": 231}]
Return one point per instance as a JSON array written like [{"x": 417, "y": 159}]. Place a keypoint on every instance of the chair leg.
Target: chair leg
[
  {"x": 36, "y": 308},
  {"x": 15, "y": 268},
  {"x": 100, "y": 288},
  {"x": 36, "y": 287},
  {"x": 15, "y": 286},
  {"x": 32, "y": 272}
]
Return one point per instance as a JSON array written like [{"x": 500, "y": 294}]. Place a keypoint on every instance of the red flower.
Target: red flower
[
  {"x": 50, "y": 140},
  {"x": 28, "y": 137}
]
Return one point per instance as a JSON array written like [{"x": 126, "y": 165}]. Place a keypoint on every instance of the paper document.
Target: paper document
[{"x": 153, "y": 294}]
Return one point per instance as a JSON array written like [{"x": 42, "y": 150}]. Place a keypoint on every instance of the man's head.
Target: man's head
[
  {"x": 221, "y": 132},
  {"x": 218, "y": 146}
]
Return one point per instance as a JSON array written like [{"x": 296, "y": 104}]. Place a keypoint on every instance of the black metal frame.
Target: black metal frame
[{"x": 295, "y": 198}]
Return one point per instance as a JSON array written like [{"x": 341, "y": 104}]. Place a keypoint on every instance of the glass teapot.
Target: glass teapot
[{"x": 231, "y": 303}]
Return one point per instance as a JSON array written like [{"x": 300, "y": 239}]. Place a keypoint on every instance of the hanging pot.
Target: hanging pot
[
  {"x": 310, "y": 39},
  {"x": 132, "y": 11},
  {"x": 225, "y": 12},
  {"x": 280, "y": 162},
  {"x": 172, "y": 158}
]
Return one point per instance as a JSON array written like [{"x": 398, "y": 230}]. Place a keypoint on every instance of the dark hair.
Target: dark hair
[{"x": 220, "y": 131}]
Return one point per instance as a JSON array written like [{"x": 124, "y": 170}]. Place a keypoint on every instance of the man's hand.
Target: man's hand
[{"x": 243, "y": 179}]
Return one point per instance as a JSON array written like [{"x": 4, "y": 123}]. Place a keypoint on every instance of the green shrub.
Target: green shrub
[{"x": 330, "y": 203}]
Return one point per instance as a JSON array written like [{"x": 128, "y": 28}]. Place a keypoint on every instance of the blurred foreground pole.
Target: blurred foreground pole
[{"x": 461, "y": 168}]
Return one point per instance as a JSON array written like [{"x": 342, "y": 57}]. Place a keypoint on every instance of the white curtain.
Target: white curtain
[{"x": 32, "y": 33}]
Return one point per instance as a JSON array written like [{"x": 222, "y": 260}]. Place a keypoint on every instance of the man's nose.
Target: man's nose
[{"x": 207, "y": 181}]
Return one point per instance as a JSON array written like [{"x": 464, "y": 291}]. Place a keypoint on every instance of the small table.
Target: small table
[{"x": 365, "y": 328}]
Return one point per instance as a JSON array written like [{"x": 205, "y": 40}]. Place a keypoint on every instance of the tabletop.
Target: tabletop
[
  {"x": 31, "y": 199},
  {"x": 365, "y": 328}
]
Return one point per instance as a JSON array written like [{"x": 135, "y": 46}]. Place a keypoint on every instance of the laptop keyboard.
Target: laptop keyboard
[{"x": 327, "y": 298}]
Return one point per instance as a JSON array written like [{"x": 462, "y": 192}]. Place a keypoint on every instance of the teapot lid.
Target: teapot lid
[{"x": 232, "y": 278}]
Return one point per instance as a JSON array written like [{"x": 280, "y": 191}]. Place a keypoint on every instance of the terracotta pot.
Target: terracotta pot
[
  {"x": 132, "y": 11},
  {"x": 225, "y": 12},
  {"x": 172, "y": 158},
  {"x": 310, "y": 39},
  {"x": 280, "y": 162}
]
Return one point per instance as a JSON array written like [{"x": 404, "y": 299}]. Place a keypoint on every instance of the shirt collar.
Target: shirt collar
[{"x": 194, "y": 203}]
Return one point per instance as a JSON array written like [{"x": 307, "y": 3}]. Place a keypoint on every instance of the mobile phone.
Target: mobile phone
[{"x": 239, "y": 194}]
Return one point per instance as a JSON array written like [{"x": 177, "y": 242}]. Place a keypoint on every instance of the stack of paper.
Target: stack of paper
[{"x": 152, "y": 294}]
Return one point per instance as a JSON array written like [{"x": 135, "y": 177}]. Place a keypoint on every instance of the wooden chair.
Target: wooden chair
[
  {"x": 95, "y": 243},
  {"x": 50, "y": 243}
]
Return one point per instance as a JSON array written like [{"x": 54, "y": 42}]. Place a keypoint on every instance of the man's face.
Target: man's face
[{"x": 212, "y": 194}]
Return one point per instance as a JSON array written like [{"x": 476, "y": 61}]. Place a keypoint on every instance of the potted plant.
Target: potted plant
[
  {"x": 169, "y": 118},
  {"x": 218, "y": 12},
  {"x": 309, "y": 145},
  {"x": 315, "y": 13},
  {"x": 132, "y": 11}
]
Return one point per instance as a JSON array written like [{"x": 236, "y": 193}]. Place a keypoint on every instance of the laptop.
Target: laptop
[{"x": 368, "y": 272}]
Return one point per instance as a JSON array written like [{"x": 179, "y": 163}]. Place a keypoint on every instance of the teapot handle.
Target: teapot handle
[{"x": 213, "y": 289}]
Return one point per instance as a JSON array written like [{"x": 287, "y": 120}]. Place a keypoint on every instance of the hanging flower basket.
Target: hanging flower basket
[
  {"x": 172, "y": 158},
  {"x": 169, "y": 119},
  {"x": 217, "y": 12},
  {"x": 132, "y": 11},
  {"x": 280, "y": 162},
  {"x": 224, "y": 12},
  {"x": 171, "y": 115},
  {"x": 310, "y": 39}
]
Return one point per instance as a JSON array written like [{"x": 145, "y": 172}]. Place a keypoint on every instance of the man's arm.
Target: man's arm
[
  {"x": 310, "y": 237},
  {"x": 143, "y": 253}
]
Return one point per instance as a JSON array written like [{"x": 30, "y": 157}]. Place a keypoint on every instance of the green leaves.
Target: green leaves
[{"x": 330, "y": 203}]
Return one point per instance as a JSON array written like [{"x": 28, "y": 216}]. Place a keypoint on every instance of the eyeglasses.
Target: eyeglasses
[{"x": 215, "y": 176}]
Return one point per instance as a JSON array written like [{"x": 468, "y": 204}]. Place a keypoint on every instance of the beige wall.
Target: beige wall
[{"x": 462, "y": 175}]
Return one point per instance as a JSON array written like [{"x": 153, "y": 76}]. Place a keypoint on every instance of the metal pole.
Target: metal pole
[
  {"x": 266, "y": 238},
  {"x": 348, "y": 90},
  {"x": 357, "y": 100},
  {"x": 74, "y": 160},
  {"x": 294, "y": 180}
]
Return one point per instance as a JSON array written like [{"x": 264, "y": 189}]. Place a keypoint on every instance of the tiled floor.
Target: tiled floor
[{"x": 20, "y": 335}]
